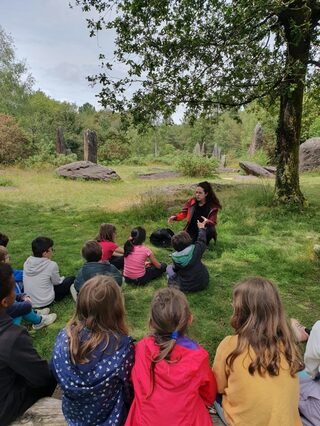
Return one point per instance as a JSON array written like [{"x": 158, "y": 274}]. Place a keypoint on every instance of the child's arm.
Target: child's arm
[
  {"x": 55, "y": 276},
  {"x": 154, "y": 261},
  {"x": 219, "y": 364},
  {"x": 128, "y": 362},
  {"x": 312, "y": 354},
  {"x": 208, "y": 388},
  {"x": 26, "y": 362},
  {"x": 118, "y": 251}
]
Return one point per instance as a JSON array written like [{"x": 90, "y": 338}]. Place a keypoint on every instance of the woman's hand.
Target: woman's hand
[
  {"x": 171, "y": 219},
  {"x": 202, "y": 225}
]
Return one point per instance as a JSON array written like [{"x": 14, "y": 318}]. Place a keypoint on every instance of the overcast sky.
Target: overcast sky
[{"x": 55, "y": 42}]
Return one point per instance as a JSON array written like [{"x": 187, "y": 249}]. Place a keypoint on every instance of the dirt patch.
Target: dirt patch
[
  {"x": 8, "y": 188},
  {"x": 159, "y": 175}
]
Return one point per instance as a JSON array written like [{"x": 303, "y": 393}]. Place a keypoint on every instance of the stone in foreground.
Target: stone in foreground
[
  {"x": 87, "y": 170},
  {"x": 45, "y": 412},
  {"x": 309, "y": 155},
  {"x": 255, "y": 169}
]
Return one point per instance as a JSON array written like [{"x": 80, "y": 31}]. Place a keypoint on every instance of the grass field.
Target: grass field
[{"x": 255, "y": 238}]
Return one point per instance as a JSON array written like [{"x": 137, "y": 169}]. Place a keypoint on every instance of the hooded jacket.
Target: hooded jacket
[
  {"x": 191, "y": 273},
  {"x": 91, "y": 269},
  {"x": 39, "y": 276},
  {"x": 182, "y": 389},
  {"x": 98, "y": 392},
  {"x": 20, "y": 366},
  {"x": 188, "y": 210}
]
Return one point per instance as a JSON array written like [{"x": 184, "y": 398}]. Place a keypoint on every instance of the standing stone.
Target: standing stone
[
  {"x": 90, "y": 146},
  {"x": 223, "y": 161},
  {"x": 60, "y": 145},
  {"x": 257, "y": 140},
  {"x": 203, "y": 149},
  {"x": 216, "y": 152},
  {"x": 197, "y": 149}
]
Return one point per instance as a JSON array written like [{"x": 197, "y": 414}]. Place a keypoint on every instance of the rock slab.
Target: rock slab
[
  {"x": 45, "y": 412},
  {"x": 309, "y": 155},
  {"x": 255, "y": 169},
  {"x": 87, "y": 170}
]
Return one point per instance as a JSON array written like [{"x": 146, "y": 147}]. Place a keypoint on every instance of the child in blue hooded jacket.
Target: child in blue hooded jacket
[
  {"x": 188, "y": 273},
  {"x": 93, "y": 357}
]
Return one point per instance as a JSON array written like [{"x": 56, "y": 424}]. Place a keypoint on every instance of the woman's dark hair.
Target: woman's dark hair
[
  {"x": 138, "y": 236},
  {"x": 211, "y": 197},
  {"x": 91, "y": 251}
]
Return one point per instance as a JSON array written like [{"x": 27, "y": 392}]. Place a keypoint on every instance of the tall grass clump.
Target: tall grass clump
[
  {"x": 5, "y": 182},
  {"x": 259, "y": 157},
  {"x": 196, "y": 166},
  {"x": 151, "y": 207}
]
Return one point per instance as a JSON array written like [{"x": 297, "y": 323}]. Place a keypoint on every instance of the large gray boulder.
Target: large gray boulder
[
  {"x": 255, "y": 169},
  {"x": 87, "y": 170},
  {"x": 309, "y": 155}
]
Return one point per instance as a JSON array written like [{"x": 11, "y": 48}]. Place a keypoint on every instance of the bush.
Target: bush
[
  {"x": 260, "y": 157},
  {"x": 14, "y": 144},
  {"x": 196, "y": 166}
]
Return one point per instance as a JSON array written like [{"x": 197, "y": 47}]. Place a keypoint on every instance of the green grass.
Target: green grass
[{"x": 255, "y": 238}]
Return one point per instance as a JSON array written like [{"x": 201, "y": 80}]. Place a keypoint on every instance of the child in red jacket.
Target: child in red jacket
[{"x": 173, "y": 383}]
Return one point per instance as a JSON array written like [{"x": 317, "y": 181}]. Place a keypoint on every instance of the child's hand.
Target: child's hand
[
  {"x": 202, "y": 225},
  {"x": 26, "y": 299},
  {"x": 147, "y": 264}
]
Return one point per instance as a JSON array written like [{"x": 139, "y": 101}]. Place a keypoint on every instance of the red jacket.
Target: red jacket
[
  {"x": 188, "y": 210},
  {"x": 182, "y": 389}
]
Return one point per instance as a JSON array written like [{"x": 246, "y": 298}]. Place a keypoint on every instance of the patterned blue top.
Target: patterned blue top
[{"x": 98, "y": 392}]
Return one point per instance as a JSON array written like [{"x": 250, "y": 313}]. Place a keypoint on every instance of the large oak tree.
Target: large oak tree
[{"x": 209, "y": 54}]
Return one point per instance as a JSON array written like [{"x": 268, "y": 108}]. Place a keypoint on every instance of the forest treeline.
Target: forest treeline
[{"x": 29, "y": 120}]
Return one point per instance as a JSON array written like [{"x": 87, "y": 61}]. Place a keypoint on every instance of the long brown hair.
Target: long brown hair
[
  {"x": 100, "y": 310},
  {"x": 260, "y": 323},
  {"x": 170, "y": 313},
  {"x": 106, "y": 232}
]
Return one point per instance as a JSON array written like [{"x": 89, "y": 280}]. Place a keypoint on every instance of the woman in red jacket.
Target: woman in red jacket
[
  {"x": 172, "y": 380},
  {"x": 204, "y": 205}
]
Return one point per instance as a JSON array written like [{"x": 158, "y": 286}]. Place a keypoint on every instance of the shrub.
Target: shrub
[
  {"x": 14, "y": 144},
  {"x": 194, "y": 165},
  {"x": 260, "y": 157}
]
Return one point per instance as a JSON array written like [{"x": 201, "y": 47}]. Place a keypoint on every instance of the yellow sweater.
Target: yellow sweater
[{"x": 255, "y": 400}]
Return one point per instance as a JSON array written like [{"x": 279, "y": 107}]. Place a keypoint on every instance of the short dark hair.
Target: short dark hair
[
  {"x": 40, "y": 245},
  {"x": 5, "y": 280},
  {"x": 181, "y": 240},
  {"x": 92, "y": 251},
  {"x": 4, "y": 239}
]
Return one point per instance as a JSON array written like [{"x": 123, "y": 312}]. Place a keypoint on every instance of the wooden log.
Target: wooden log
[
  {"x": 60, "y": 145},
  {"x": 45, "y": 412}
]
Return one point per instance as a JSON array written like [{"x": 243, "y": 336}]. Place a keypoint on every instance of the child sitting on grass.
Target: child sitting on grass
[
  {"x": 41, "y": 278},
  {"x": 92, "y": 252},
  {"x": 256, "y": 368},
  {"x": 17, "y": 273},
  {"x": 188, "y": 273},
  {"x": 110, "y": 250},
  {"x": 140, "y": 264},
  {"x": 172, "y": 380},
  {"x": 93, "y": 357},
  {"x": 21, "y": 309},
  {"x": 24, "y": 377}
]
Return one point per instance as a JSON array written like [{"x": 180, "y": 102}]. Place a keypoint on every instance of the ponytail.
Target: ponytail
[{"x": 138, "y": 236}]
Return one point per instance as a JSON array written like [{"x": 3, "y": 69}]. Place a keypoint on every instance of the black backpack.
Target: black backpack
[{"x": 161, "y": 237}]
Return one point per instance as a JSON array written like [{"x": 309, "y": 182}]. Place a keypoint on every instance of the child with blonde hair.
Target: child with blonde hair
[
  {"x": 93, "y": 356},
  {"x": 172, "y": 379},
  {"x": 110, "y": 249},
  {"x": 256, "y": 369}
]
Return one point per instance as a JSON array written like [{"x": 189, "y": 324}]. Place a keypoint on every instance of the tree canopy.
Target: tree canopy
[{"x": 210, "y": 54}]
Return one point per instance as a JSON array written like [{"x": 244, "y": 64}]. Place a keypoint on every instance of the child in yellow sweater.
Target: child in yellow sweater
[{"x": 256, "y": 368}]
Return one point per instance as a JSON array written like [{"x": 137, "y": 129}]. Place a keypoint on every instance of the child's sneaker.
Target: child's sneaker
[
  {"x": 44, "y": 311},
  {"x": 46, "y": 320}
]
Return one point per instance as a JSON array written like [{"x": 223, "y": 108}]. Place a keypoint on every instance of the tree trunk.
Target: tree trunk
[{"x": 287, "y": 187}]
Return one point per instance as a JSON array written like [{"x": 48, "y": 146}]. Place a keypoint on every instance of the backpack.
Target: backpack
[{"x": 161, "y": 237}]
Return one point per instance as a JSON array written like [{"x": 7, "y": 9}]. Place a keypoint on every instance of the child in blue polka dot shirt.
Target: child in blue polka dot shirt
[{"x": 93, "y": 357}]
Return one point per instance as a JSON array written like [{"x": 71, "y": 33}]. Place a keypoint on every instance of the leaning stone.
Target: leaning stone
[
  {"x": 255, "y": 169},
  {"x": 309, "y": 155},
  {"x": 46, "y": 411},
  {"x": 86, "y": 170},
  {"x": 271, "y": 169}
]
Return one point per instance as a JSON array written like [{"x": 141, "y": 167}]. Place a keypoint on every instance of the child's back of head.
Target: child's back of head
[
  {"x": 181, "y": 240},
  {"x": 41, "y": 245},
  {"x": 106, "y": 232},
  {"x": 4, "y": 240},
  {"x": 100, "y": 310},
  {"x": 91, "y": 251},
  {"x": 259, "y": 321},
  {"x": 3, "y": 254},
  {"x": 137, "y": 237},
  {"x": 6, "y": 285}
]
